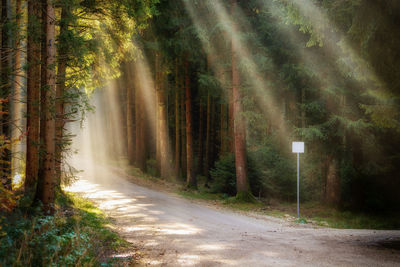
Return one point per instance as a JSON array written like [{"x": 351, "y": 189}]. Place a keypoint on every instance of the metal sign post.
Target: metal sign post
[{"x": 298, "y": 147}]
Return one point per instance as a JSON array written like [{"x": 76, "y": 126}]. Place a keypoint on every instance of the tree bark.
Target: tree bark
[
  {"x": 177, "y": 124},
  {"x": 130, "y": 113},
  {"x": 162, "y": 125},
  {"x": 158, "y": 104},
  {"x": 242, "y": 184},
  {"x": 33, "y": 98},
  {"x": 231, "y": 143},
  {"x": 47, "y": 191},
  {"x": 140, "y": 129},
  {"x": 208, "y": 134},
  {"x": 61, "y": 76},
  {"x": 183, "y": 128},
  {"x": 224, "y": 123},
  {"x": 223, "y": 131},
  {"x": 17, "y": 127},
  {"x": 191, "y": 179},
  {"x": 5, "y": 96},
  {"x": 201, "y": 141}
]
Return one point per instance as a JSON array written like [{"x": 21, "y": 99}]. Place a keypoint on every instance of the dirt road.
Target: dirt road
[{"x": 171, "y": 231}]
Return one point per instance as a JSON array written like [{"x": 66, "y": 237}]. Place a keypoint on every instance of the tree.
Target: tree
[
  {"x": 33, "y": 97},
  {"x": 239, "y": 128},
  {"x": 46, "y": 185},
  {"x": 190, "y": 178}
]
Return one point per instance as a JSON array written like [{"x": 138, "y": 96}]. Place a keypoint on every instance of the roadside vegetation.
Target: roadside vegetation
[
  {"x": 311, "y": 212},
  {"x": 78, "y": 234}
]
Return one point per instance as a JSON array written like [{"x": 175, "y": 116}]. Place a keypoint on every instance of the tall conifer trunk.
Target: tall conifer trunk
[
  {"x": 242, "y": 184},
  {"x": 177, "y": 123},
  {"x": 5, "y": 95},
  {"x": 208, "y": 134},
  {"x": 33, "y": 98},
  {"x": 191, "y": 179},
  {"x": 48, "y": 180},
  {"x": 162, "y": 124},
  {"x": 183, "y": 128},
  {"x": 201, "y": 141},
  {"x": 224, "y": 122},
  {"x": 140, "y": 128},
  {"x": 61, "y": 75},
  {"x": 130, "y": 113},
  {"x": 17, "y": 107}
]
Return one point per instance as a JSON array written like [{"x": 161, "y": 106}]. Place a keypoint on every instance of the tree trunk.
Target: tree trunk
[
  {"x": 242, "y": 184},
  {"x": 183, "y": 129},
  {"x": 201, "y": 142},
  {"x": 177, "y": 124},
  {"x": 140, "y": 129},
  {"x": 130, "y": 114},
  {"x": 223, "y": 130},
  {"x": 213, "y": 144},
  {"x": 208, "y": 134},
  {"x": 33, "y": 98},
  {"x": 162, "y": 125},
  {"x": 47, "y": 191},
  {"x": 61, "y": 75},
  {"x": 224, "y": 122},
  {"x": 158, "y": 104},
  {"x": 332, "y": 181},
  {"x": 17, "y": 127},
  {"x": 5, "y": 96},
  {"x": 191, "y": 179},
  {"x": 231, "y": 144}
]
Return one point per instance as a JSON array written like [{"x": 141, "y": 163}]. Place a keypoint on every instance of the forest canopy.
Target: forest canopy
[{"x": 208, "y": 94}]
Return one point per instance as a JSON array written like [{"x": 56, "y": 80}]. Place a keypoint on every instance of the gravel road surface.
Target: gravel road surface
[{"x": 171, "y": 231}]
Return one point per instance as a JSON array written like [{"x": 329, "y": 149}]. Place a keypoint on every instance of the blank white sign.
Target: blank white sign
[{"x": 298, "y": 147}]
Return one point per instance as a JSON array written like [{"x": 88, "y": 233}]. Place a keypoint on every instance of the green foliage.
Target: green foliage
[
  {"x": 72, "y": 237},
  {"x": 151, "y": 167},
  {"x": 270, "y": 174}
]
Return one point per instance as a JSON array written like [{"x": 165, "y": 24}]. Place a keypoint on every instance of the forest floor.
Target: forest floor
[{"x": 170, "y": 230}]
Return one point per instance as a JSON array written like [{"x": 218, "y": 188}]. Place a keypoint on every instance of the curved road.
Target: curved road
[{"x": 171, "y": 231}]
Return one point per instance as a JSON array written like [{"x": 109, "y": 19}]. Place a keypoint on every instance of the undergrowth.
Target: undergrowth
[{"x": 77, "y": 235}]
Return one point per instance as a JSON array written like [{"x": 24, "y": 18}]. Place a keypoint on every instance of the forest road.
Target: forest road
[{"x": 171, "y": 231}]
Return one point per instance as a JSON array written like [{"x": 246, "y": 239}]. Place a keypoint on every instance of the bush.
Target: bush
[
  {"x": 269, "y": 174},
  {"x": 72, "y": 237}
]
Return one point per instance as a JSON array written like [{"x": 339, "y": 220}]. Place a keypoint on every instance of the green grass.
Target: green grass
[
  {"x": 77, "y": 235},
  {"x": 311, "y": 212}
]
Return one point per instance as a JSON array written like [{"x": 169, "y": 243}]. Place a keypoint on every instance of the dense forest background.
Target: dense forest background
[{"x": 210, "y": 94}]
